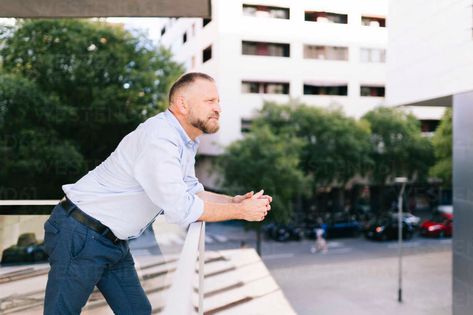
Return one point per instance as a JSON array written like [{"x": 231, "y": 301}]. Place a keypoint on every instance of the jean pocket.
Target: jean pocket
[
  {"x": 51, "y": 236},
  {"x": 79, "y": 241}
]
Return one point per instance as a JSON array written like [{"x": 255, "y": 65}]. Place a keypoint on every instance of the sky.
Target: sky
[{"x": 151, "y": 26}]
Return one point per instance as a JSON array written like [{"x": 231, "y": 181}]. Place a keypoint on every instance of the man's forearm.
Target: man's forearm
[
  {"x": 213, "y": 197},
  {"x": 215, "y": 212}
]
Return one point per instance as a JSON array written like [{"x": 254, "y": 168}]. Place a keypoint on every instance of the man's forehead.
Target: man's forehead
[{"x": 203, "y": 87}]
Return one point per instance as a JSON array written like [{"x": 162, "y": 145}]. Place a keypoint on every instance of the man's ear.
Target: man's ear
[{"x": 182, "y": 104}]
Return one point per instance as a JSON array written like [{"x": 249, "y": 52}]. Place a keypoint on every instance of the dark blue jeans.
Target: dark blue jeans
[{"x": 81, "y": 259}]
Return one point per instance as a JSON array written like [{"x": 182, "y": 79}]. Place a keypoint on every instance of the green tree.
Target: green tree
[
  {"x": 89, "y": 84},
  {"x": 30, "y": 148},
  {"x": 397, "y": 146},
  {"x": 399, "y": 150},
  {"x": 442, "y": 142},
  {"x": 265, "y": 160},
  {"x": 335, "y": 147}
]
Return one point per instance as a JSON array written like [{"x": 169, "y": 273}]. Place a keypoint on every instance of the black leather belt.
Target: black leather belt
[{"x": 88, "y": 221}]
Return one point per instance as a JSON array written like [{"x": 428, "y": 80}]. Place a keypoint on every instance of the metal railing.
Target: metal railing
[{"x": 179, "y": 299}]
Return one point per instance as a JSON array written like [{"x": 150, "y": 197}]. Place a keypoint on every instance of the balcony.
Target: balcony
[{"x": 178, "y": 276}]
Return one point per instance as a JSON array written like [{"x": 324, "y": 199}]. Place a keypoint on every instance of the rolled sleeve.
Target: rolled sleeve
[{"x": 158, "y": 170}]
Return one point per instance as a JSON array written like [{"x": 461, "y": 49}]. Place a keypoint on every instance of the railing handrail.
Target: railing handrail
[
  {"x": 29, "y": 202},
  {"x": 179, "y": 296}
]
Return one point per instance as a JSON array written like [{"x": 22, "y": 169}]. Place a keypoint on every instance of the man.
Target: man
[{"x": 150, "y": 172}]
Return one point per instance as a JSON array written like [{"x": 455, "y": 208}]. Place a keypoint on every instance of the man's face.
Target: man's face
[{"x": 204, "y": 108}]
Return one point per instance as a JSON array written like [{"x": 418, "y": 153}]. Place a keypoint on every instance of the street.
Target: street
[{"x": 355, "y": 276}]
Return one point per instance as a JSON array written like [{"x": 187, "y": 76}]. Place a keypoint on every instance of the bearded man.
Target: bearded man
[{"x": 151, "y": 172}]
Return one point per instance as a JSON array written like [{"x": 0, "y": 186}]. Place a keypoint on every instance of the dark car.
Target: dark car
[
  {"x": 342, "y": 225},
  {"x": 27, "y": 250},
  {"x": 283, "y": 232},
  {"x": 440, "y": 225},
  {"x": 387, "y": 228}
]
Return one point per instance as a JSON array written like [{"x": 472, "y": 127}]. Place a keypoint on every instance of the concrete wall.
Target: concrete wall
[
  {"x": 430, "y": 49},
  {"x": 463, "y": 204}
]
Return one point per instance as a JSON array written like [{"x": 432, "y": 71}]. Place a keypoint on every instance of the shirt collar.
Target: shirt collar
[{"x": 176, "y": 124}]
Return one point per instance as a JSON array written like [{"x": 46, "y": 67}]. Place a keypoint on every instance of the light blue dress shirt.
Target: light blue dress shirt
[{"x": 151, "y": 171}]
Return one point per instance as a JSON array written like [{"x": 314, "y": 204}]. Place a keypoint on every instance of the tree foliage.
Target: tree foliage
[
  {"x": 398, "y": 147},
  {"x": 265, "y": 160},
  {"x": 70, "y": 90},
  {"x": 442, "y": 142},
  {"x": 335, "y": 146},
  {"x": 330, "y": 148}
]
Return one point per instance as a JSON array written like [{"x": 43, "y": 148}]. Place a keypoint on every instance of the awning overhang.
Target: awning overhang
[{"x": 104, "y": 8}]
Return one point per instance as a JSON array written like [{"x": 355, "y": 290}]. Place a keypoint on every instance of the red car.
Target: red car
[{"x": 440, "y": 225}]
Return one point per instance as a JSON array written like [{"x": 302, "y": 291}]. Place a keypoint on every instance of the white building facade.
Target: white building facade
[{"x": 324, "y": 53}]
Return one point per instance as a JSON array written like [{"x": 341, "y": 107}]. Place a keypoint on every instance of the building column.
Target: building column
[{"x": 463, "y": 203}]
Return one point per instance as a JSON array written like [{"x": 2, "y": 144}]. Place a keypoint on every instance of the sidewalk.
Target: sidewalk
[{"x": 370, "y": 286}]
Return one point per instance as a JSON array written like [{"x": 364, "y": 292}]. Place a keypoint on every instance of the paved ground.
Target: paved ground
[
  {"x": 369, "y": 286},
  {"x": 356, "y": 276}
]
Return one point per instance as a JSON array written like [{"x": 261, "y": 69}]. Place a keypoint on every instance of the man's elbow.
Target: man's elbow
[{"x": 180, "y": 220}]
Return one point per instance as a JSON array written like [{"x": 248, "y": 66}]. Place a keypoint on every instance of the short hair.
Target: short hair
[{"x": 186, "y": 80}]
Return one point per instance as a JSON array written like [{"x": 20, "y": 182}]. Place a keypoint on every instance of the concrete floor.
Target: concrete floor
[{"x": 370, "y": 286}]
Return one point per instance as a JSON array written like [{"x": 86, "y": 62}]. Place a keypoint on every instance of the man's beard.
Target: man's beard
[{"x": 204, "y": 126}]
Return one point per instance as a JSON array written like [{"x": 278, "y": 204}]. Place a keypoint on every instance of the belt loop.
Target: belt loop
[
  {"x": 70, "y": 207},
  {"x": 105, "y": 231}
]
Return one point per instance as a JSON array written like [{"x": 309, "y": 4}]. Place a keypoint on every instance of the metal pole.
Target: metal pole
[{"x": 399, "y": 292}]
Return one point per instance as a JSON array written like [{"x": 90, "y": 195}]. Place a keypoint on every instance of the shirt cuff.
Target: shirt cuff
[
  {"x": 196, "y": 211},
  {"x": 196, "y": 189}
]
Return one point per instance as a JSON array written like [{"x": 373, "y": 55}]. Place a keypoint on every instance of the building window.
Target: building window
[
  {"x": 207, "y": 54},
  {"x": 246, "y": 125},
  {"x": 265, "y": 49},
  {"x": 325, "y": 52},
  {"x": 327, "y": 17},
  {"x": 265, "y": 11},
  {"x": 184, "y": 38},
  {"x": 373, "y": 21},
  {"x": 376, "y": 91},
  {"x": 264, "y": 87},
  {"x": 205, "y": 22},
  {"x": 429, "y": 125},
  {"x": 326, "y": 89},
  {"x": 163, "y": 30},
  {"x": 372, "y": 55},
  {"x": 193, "y": 29}
]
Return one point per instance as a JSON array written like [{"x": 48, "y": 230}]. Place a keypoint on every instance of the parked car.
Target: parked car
[
  {"x": 440, "y": 225},
  {"x": 362, "y": 213},
  {"x": 27, "y": 250},
  {"x": 387, "y": 228},
  {"x": 408, "y": 218},
  {"x": 342, "y": 225},
  {"x": 284, "y": 232},
  {"x": 445, "y": 208}
]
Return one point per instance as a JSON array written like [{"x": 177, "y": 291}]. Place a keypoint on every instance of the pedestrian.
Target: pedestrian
[
  {"x": 320, "y": 242},
  {"x": 151, "y": 172}
]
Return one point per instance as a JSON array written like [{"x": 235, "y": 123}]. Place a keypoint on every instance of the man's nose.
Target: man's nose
[{"x": 217, "y": 108}]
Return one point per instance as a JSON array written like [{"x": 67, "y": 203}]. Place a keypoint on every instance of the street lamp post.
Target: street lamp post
[{"x": 402, "y": 181}]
